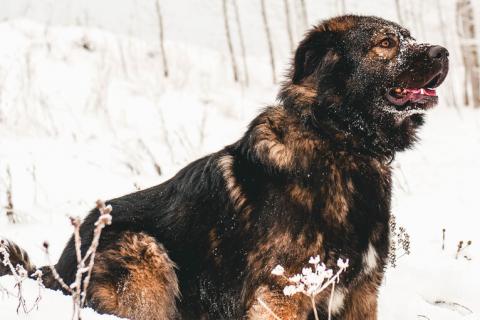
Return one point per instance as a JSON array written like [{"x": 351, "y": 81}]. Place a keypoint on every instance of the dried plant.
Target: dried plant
[
  {"x": 9, "y": 207},
  {"x": 20, "y": 274},
  {"x": 443, "y": 239},
  {"x": 461, "y": 248},
  {"x": 242, "y": 42},
  {"x": 312, "y": 281},
  {"x": 229, "y": 40},
  {"x": 399, "y": 242},
  {"x": 78, "y": 289},
  {"x": 467, "y": 33},
  {"x": 161, "y": 31},
  {"x": 269, "y": 40}
]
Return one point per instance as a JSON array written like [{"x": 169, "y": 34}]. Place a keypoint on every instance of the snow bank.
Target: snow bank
[{"x": 52, "y": 304}]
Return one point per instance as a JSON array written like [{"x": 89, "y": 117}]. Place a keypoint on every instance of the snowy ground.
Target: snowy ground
[{"x": 85, "y": 114}]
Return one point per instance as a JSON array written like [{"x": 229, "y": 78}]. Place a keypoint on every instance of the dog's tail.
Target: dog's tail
[{"x": 11, "y": 256}]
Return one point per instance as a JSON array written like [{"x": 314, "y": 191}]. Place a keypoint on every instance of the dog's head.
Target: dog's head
[{"x": 367, "y": 79}]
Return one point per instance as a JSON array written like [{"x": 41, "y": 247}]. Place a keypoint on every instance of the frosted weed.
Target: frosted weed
[{"x": 312, "y": 281}]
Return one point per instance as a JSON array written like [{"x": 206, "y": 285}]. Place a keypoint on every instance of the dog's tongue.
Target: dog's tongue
[
  {"x": 411, "y": 95},
  {"x": 419, "y": 93}
]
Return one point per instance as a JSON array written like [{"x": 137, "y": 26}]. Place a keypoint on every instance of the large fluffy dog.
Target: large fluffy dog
[{"x": 310, "y": 176}]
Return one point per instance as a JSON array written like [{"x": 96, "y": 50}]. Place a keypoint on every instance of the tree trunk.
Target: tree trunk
[
  {"x": 269, "y": 40},
  {"x": 399, "y": 12},
  {"x": 469, "y": 48},
  {"x": 242, "y": 43},
  {"x": 229, "y": 41},
  {"x": 160, "y": 31},
  {"x": 288, "y": 23},
  {"x": 304, "y": 13}
]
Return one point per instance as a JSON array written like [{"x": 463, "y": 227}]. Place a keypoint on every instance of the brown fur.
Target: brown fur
[
  {"x": 148, "y": 288},
  {"x": 291, "y": 308},
  {"x": 17, "y": 256},
  {"x": 362, "y": 300},
  {"x": 281, "y": 144},
  {"x": 340, "y": 24},
  {"x": 302, "y": 195}
]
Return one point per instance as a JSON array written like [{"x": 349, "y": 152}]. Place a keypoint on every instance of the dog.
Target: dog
[{"x": 311, "y": 176}]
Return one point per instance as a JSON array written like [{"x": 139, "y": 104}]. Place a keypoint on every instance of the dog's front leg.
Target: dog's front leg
[
  {"x": 270, "y": 304},
  {"x": 361, "y": 302}
]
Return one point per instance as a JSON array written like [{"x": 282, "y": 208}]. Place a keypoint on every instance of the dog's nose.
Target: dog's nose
[{"x": 437, "y": 52}]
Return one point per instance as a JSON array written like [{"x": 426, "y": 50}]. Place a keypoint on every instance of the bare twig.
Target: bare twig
[
  {"x": 269, "y": 40},
  {"x": 266, "y": 307},
  {"x": 288, "y": 24},
  {"x": 19, "y": 274},
  {"x": 152, "y": 157},
  {"x": 104, "y": 219},
  {"x": 399, "y": 242},
  {"x": 443, "y": 239},
  {"x": 399, "y": 11},
  {"x": 459, "y": 248},
  {"x": 229, "y": 41},
  {"x": 304, "y": 13},
  {"x": 161, "y": 36},
  {"x": 9, "y": 208},
  {"x": 85, "y": 263},
  {"x": 466, "y": 30},
  {"x": 55, "y": 274},
  {"x": 464, "y": 310},
  {"x": 242, "y": 42}
]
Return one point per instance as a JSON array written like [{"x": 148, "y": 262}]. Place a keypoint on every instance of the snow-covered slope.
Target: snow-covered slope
[{"x": 87, "y": 114}]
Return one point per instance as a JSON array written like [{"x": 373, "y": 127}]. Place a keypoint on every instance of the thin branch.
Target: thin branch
[
  {"x": 304, "y": 13},
  {"x": 264, "y": 305},
  {"x": 288, "y": 23},
  {"x": 229, "y": 40},
  {"x": 242, "y": 43},
  {"x": 161, "y": 36},
  {"x": 269, "y": 41}
]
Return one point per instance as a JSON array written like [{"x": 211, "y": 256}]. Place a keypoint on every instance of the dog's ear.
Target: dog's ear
[{"x": 316, "y": 49}]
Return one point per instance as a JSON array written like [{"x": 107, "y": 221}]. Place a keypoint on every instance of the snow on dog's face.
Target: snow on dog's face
[
  {"x": 367, "y": 78},
  {"x": 389, "y": 59}
]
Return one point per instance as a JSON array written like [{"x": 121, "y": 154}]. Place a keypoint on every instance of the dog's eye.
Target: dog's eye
[{"x": 386, "y": 43}]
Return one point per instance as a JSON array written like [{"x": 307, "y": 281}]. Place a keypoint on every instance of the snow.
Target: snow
[
  {"x": 80, "y": 124},
  {"x": 52, "y": 304}
]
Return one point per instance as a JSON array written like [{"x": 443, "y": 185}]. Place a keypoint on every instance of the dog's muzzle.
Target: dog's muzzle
[{"x": 420, "y": 90}]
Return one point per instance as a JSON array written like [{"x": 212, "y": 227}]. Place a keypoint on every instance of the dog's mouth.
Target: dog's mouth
[{"x": 421, "y": 98}]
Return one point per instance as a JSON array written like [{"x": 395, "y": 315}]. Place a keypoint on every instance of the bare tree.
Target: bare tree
[
  {"x": 399, "y": 11},
  {"x": 155, "y": 163},
  {"x": 9, "y": 207},
  {"x": 343, "y": 6},
  {"x": 269, "y": 41},
  {"x": 229, "y": 41},
  {"x": 452, "y": 97},
  {"x": 288, "y": 23},
  {"x": 242, "y": 42},
  {"x": 161, "y": 31},
  {"x": 469, "y": 48},
  {"x": 303, "y": 8}
]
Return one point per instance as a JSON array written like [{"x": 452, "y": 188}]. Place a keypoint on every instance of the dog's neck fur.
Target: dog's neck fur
[{"x": 344, "y": 125}]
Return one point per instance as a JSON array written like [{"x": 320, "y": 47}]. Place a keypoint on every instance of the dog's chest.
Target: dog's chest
[{"x": 347, "y": 204}]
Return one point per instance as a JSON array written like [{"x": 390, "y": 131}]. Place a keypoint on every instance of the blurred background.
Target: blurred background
[{"x": 99, "y": 98}]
